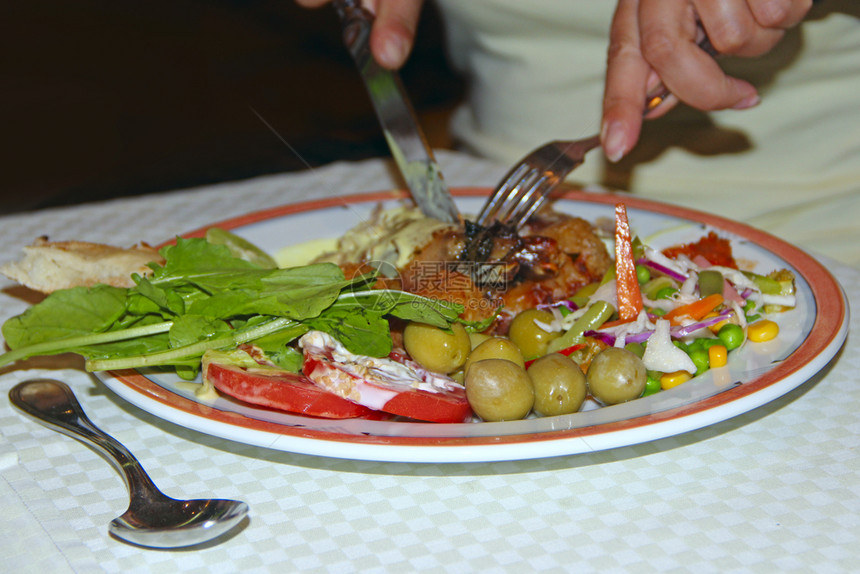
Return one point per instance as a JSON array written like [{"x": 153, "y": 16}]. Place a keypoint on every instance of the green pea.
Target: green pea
[
  {"x": 666, "y": 293},
  {"x": 643, "y": 274},
  {"x": 652, "y": 287},
  {"x": 694, "y": 345},
  {"x": 652, "y": 385},
  {"x": 700, "y": 359},
  {"x": 731, "y": 335},
  {"x": 703, "y": 343},
  {"x": 708, "y": 343}
]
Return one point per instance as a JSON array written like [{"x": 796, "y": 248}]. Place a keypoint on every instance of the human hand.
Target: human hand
[
  {"x": 393, "y": 31},
  {"x": 655, "y": 40}
]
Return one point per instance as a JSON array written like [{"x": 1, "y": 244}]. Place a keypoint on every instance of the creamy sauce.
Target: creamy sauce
[
  {"x": 389, "y": 236},
  {"x": 304, "y": 253}
]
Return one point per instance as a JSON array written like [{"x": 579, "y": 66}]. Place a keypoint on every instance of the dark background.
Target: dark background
[{"x": 100, "y": 99}]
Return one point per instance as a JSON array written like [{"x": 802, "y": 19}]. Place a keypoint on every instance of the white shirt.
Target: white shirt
[{"x": 791, "y": 165}]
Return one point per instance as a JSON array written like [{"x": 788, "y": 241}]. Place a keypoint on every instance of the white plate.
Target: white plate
[{"x": 810, "y": 336}]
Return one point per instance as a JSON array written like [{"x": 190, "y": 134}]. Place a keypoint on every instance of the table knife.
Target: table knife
[{"x": 409, "y": 147}]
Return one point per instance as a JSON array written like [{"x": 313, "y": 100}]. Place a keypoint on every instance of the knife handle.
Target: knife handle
[{"x": 356, "y": 22}]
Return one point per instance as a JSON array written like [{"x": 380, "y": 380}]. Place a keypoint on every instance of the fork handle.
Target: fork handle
[{"x": 657, "y": 96}]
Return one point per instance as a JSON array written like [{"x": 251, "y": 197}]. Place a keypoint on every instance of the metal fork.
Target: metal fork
[{"x": 528, "y": 184}]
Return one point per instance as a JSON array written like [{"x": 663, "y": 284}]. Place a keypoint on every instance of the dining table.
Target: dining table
[{"x": 772, "y": 489}]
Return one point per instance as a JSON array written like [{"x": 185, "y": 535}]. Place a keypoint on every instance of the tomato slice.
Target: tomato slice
[
  {"x": 284, "y": 391},
  {"x": 440, "y": 406}
]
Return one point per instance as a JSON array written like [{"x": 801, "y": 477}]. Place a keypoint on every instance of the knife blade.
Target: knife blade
[{"x": 406, "y": 140}]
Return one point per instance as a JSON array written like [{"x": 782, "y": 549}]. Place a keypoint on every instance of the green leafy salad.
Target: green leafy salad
[{"x": 214, "y": 296}]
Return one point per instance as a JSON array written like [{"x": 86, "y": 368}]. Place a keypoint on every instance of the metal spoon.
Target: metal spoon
[{"x": 152, "y": 519}]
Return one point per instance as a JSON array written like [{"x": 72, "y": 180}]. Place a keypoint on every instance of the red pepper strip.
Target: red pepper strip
[
  {"x": 568, "y": 351},
  {"x": 695, "y": 310},
  {"x": 627, "y": 284}
]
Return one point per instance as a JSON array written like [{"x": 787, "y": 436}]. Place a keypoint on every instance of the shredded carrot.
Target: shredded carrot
[
  {"x": 695, "y": 310},
  {"x": 627, "y": 284},
  {"x": 610, "y": 324}
]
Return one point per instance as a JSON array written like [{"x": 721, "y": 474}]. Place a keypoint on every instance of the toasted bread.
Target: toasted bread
[{"x": 48, "y": 266}]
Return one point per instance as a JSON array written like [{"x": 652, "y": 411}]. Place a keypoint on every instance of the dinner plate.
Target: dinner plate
[{"x": 757, "y": 373}]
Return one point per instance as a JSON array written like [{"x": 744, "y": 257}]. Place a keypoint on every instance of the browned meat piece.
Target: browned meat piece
[
  {"x": 556, "y": 257},
  {"x": 439, "y": 280},
  {"x": 576, "y": 237}
]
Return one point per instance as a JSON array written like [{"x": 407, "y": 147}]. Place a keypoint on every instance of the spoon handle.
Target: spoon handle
[{"x": 53, "y": 404}]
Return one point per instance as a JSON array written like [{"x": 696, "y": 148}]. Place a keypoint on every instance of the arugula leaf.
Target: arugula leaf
[
  {"x": 189, "y": 329},
  {"x": 141, "y": 345},
  {"x": 239, "y": 247},
  {"x": 91, "y": 344},
  {"x": 65, "y": 314},
  {"x": 167, "y": 303},
  {"x": 195, "y": 350},
  {"x": 277, "y": 341},
  {"x": 288, "y": 358},
  {"x": 362, "y": 331},
  {"x": 403, "y": 305},
  {"x": 284, "y": 296},
  {"x": 191, "y": 258},
  {"x": 482, "y": 325}
]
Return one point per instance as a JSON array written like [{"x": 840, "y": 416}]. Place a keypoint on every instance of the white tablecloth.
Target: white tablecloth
[{"x": 775, "y": 489}]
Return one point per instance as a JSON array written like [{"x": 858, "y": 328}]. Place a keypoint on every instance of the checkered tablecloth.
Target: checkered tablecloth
[{"x": 773, "y": 490}]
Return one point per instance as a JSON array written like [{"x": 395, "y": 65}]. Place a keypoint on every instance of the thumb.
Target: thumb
[{"x": 393, "y": 32}]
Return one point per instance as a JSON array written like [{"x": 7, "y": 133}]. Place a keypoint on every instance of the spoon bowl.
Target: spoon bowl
[{"x": 153, "y": 519}]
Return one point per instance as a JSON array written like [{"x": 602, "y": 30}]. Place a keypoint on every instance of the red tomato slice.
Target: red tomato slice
[
  {"x": 284, "y": 391},
  {"x": 443, "y": 406}
]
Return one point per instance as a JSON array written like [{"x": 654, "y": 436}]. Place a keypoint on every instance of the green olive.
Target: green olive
[
  {"x": 528, "y": 336},
  {"x": 436, "y": 349},
  {"x": 459, "y": 376},
  {"x": 559, "y": 385},
  {"x": 495, "y": 348},
  {"x": 477, "y": 338},
  {"x": 615, "y": 376},
  {"x": 499, "y": 390}
]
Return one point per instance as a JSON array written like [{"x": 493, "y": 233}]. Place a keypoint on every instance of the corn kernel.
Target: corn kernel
[
  {"x": 669, "y": 380},
  {"x": 763, "y": 330},
  {"x": 716, "y": 326},
  {"x": 717, "y": 356}
]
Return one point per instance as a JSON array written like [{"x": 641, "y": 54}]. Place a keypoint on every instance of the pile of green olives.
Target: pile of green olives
[{"x": 501, "y": 385}]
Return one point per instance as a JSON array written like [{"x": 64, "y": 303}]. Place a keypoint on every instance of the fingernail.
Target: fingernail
[
  {"x": 394, "y": 51},
  {"x": 613, "y": 141},
  {"x": 747, "y": 102}
]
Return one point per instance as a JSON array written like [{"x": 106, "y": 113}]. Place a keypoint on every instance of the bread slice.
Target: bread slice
[{"x": 48, "y": 266}]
